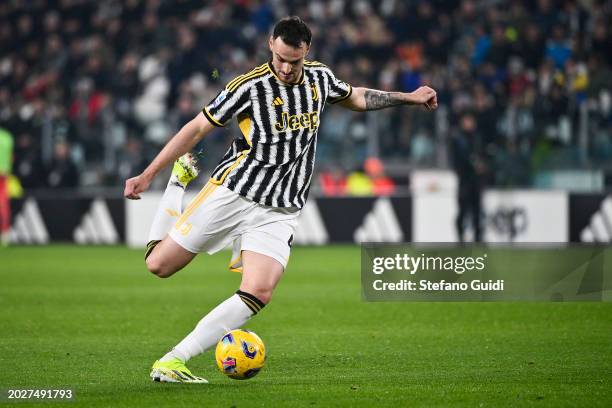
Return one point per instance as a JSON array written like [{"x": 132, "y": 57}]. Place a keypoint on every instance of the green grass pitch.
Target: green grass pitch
[{"x": 93, "y": 319}]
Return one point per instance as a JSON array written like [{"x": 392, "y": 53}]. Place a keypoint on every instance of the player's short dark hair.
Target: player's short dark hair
[{"x": 293, "y": 31}]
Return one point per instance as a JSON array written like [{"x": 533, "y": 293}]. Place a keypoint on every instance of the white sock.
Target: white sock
[
  {"x": 168, "y": 211},
  {"x": 230, "y": 314}
]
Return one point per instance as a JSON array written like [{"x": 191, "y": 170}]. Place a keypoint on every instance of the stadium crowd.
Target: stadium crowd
[{"x": 91, "y": 90}]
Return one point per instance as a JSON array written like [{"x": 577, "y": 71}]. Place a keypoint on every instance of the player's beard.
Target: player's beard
[{"x": 288, "y": 78}]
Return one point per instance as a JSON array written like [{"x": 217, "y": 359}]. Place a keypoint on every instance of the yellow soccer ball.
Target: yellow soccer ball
[{"x": 240, "y": 354}]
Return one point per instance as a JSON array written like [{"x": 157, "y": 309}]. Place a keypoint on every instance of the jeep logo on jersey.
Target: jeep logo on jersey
[{"x": 295, "y": 122}]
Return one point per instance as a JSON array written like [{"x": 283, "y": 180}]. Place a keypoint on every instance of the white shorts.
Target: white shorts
[{"x": 218, "y": 217}]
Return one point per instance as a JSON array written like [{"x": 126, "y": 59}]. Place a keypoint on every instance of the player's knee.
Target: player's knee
[
  {"x": 265, "y": 297},
  {"x": 157, "y": 267},
  {"x": 262, "y": 293}
]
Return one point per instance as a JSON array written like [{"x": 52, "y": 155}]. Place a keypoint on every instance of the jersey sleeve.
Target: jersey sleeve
[
  {"x": 228, "y": 103},
  {"x": 338, "y": 90}
]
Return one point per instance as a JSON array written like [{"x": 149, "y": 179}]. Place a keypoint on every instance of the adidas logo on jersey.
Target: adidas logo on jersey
[{"x": 277, "y": 101}]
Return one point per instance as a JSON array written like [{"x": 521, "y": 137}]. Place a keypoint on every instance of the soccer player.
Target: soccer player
[{"x": 255, "y": 194}]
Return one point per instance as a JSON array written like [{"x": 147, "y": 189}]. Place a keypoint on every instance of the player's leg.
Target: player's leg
[
  {"x": 163, "y": 256},
  {"x": 461, "y": 214},
  {"x": 260, "y": 276},
  {"x": 167, "y": 258},
  {"x": 261, "y": 254},
  {"x": 476, "y": 209}
]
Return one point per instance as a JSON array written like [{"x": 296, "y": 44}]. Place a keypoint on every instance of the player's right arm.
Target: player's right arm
[
  {"x": 181, "y": 143},
  {"x": 365, "y": 99}
]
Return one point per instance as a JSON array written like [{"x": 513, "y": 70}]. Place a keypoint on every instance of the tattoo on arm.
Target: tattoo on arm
[{"x": 378, "y": 100}]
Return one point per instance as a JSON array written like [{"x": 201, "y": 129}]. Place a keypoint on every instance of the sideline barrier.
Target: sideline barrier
[{"x": 510, "y": 216}]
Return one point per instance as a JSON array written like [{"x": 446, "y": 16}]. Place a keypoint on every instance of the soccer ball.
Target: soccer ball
[{"x": 240, "y": 354}]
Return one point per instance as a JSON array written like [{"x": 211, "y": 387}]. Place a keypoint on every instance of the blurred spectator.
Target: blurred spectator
[
  {"x": 601, "y": 42},
  {"x": 333, "y": 182},
  {"x": 359, "y": 184},
  {"x": 381, "y": 184},
  {"x": 532, "y": 47},
  {"x": 545, "y": 15},
  {"x": 62, "y": 172},
  {"x": 500, "y": 49},
  {"x": 469, "y": 164},
  {"x": 28, "y": 162},
  {"x": 131, "y": 160},
  {"x": 558, "y": 48}
]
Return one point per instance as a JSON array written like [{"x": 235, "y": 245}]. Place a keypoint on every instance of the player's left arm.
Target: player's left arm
[{"x": 365, "y": 99}]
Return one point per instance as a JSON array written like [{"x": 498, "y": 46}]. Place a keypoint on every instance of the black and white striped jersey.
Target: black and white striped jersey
[{"x": 272, "y": 161}]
